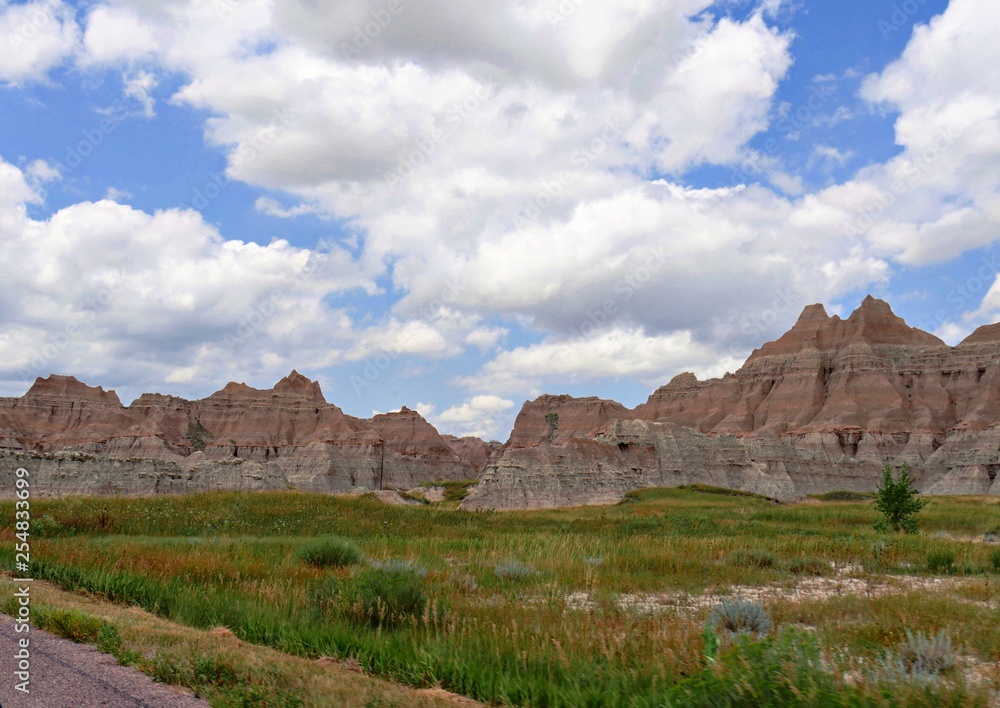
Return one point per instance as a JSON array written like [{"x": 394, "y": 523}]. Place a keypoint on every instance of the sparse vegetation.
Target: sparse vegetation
[
  {"x": 845, "y": 496},
  {"x": 198, "y": 435},
  {"x": 573, "y": 631},
  {"x": 752, "y": 558},
  {"x": 514, "y": 570},
  {"x": 454, "y": 490},
  {"x": 927, "y": 654},
  {"x": 553, "y": 420}
]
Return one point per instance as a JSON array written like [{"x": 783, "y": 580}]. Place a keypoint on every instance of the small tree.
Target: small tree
[{"x": 897, "y": 500}]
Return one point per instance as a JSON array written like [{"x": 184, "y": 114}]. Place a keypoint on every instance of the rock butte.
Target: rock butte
[
  {"x": 823, "y": 408},
  {"x": 77, "y": 439}
]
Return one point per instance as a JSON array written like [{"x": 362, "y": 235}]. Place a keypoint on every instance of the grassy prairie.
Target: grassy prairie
[{"x": 599, "y": 606}]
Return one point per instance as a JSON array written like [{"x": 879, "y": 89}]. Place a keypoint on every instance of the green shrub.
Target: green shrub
[
  {"x": 386, "y": 596},
  {"x": 940, "y": 561},
  {"x": 752, "y": 558},
  {"x": 786, "y": 670},
  {"x": 736, "y": 616},
  {"x": 897, "y": 501},
  {"x": 995, "y": 560},
  {"x": 47, "y": 527},
  {"x": 330, "y": 551}
]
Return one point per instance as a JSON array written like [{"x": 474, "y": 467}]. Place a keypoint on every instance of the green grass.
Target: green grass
[
  {"x": 231, "y": 560},
  {"x": 844, "y": 496},
  {"x": 330, "y": 552}
]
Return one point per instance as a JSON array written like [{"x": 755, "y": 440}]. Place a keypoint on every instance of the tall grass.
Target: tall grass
[{"x": 230, "y": 560}]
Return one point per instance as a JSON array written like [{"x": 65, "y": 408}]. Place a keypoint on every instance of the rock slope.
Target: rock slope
[
  {"x": 822, "y": 408},
  {"x": 78, "y": 439}
]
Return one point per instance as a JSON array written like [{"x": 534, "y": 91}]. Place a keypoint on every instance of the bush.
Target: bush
[
  {"x": 394, "y": 565},
  {"x": 47, "y": 527},
  {"x": 737, "y": 616},
  {"x": 514, "y": 570},
  {"x": 781, "y": 671},
  {"x": 995, "y": 560},
  {"x": 380, "y": 597},
  {"x": 809, "y": 566},
  {"x": 923, "y": 654},
  {"x": 330, "y": 551},
  {"x": 897, "y": 501},
  {"x": 752, "y": 558},
  {"x": 940, "y": 561}
]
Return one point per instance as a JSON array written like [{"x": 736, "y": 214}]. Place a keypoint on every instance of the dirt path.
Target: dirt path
[{"x": 64, "y": 673}]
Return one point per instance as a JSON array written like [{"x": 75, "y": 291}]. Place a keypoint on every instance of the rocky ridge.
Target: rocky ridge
[
  {"x": 822, "y": 408},
  {"x": 78, "y": 439}
]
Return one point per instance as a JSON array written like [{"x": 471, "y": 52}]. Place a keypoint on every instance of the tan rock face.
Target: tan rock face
[
  {"x": 822, "y": 408},
  {"x": 82, "y": 440}
]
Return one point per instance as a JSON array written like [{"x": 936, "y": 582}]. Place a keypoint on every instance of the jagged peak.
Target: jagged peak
[
  {"x": 300, "y": 385},
  {"x": 71, "y": 387},
  {"x": 872, "y": 323}
]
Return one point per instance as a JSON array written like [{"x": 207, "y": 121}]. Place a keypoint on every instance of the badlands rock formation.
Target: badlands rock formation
[
  {"x": 76, "y": 439},
  {"x": 823, "y": 408}
]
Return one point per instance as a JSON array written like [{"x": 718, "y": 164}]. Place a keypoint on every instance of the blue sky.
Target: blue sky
[{"x": 422, "y": 203}]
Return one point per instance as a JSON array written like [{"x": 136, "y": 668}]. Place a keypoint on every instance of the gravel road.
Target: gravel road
[{"x": 66, "y": 674}]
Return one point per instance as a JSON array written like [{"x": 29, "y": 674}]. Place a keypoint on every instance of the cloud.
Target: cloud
[
  {"x": 37, "y": 37},
  {"x": 481, "y": 416},
  {"x": 272, "y": 207},
  {"x": 101, "y": 289},
  {"x": 138, "y": 88},
  {"x": 116, "y": 34},
  {"x": 828, "y": 157},
  {"x": 608, "y": 354},
  {"x": 513, "y": 168}
]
